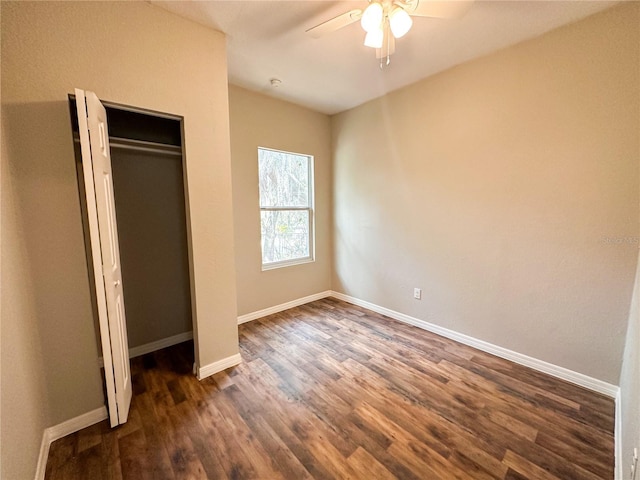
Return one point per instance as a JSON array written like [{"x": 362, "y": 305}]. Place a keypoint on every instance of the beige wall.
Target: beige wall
[
  {"x": 149, "y": 195},
  {"x": 130, "y": 53},
  {"x": 257, "y": 120},
  {"x": 494, "y": 187},
  {"x": 23, "y": 406}
]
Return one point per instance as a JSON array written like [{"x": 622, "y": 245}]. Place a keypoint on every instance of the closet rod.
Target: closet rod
[
  {"x": 143, "y": 146},
  {"x": 140, "y": 145}
]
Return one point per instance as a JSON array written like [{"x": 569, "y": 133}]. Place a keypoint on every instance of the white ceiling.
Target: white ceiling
[{"x": 266, "y": 39}]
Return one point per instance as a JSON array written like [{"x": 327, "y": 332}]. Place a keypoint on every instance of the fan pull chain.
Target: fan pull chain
[{"x": 386, "y": 47}]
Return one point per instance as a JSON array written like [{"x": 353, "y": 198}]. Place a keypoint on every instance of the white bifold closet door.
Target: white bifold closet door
[{"x": 105, "y": 251}]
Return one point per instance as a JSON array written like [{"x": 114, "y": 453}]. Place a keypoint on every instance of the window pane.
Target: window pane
[
  {"x": 284, "y": 179},
  {"x": 285, "y": 235}
]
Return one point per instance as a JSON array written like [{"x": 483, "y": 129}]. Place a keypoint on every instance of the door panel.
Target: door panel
[{"x": 103, "y": 228}]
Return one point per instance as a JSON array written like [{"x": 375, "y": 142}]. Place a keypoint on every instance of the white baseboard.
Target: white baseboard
[
  {"x": 153, "y": 346},
  {"x": 247, "y": 317},
  {"x": 554, "y": 370},
  {"x": 63, "y": 429},
  {"x": 77, "y": 423},
  {"x": 215, "y": 367},
  {"x": 617, "y": 437},
  {"x": 159, "y": 344},
  {"x": 44, "y": 455}
]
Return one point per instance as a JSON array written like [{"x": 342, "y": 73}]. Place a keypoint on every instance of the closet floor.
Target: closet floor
[{"x": 329, "y": 390}]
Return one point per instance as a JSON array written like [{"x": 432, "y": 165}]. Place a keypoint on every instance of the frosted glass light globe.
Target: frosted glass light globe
[
  {"x": 372, "y": 17},
  {"x": 399, "y": 21}
]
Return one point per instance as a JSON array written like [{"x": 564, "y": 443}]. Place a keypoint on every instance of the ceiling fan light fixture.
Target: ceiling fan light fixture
[
  {"x": 374, "y": 38},
  {"x": 372, "y": 17},
  {"x": 400, "y": 21}
]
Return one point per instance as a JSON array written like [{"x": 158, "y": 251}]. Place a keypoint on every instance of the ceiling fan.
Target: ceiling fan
[{"x": 385, "y": 20}]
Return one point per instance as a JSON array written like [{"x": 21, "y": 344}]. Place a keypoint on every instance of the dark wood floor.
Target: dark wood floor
[{"x": 329, "y": 390}]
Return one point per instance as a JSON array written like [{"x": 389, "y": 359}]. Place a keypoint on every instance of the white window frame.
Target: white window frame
[{"x": 296, "y": 261}]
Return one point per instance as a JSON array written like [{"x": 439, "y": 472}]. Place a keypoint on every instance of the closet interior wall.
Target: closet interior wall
[{"x": 153, "y": 244}]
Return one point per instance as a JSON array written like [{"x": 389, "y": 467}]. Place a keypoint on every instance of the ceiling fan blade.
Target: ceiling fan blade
[
  {"x": 438, "y": 9},
  {"x": 336, "y": 23}
]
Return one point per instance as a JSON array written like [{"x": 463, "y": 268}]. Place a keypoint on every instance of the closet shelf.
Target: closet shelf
[{"x": 144, "y": 146}]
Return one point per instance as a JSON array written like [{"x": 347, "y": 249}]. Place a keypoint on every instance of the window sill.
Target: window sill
[{"x": 287, "y": 263}]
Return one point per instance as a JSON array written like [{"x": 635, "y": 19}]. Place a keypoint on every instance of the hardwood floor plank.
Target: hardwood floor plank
[
  {"x": 90, "y": 462},
  {"x": 227, "y": 448},
  {"x": 515, "y": 426},
  {"x": 110, "y": 456},
  {"x": 466, "y": 462},
  {"x": 133, "y": 423},
  {"x": 285, "y": 427},
  {"x": 595, "y": 461},
  {"x": 252, "y": 448},
  {"x": 135, "y": 457},
  {"x": 539, "y": 417},
  {"x": 182, "y": 453},
  {"x": 513, "y": 475},
  {"x": 330, "y": 390},
  {"x": 89, "y": 437},
  {"x": 187, "y": 416},
  {"x": 526, "y": 468},
  {"x": 366, "y": 466},
  {"x": 154, "y": 458},
  {"x": 284, "y": 460},
  {"x": 177, "y": 394},
  {"x": 429, "y": 425}
]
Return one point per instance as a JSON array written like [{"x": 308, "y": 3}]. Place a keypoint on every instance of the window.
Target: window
[{"x": 286, "y": 207}]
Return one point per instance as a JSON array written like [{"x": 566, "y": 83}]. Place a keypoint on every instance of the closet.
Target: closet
[{"x": 148, "y": 185}]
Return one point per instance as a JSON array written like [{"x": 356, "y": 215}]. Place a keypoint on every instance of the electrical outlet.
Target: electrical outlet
[{"x": 417, "y": 293}]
